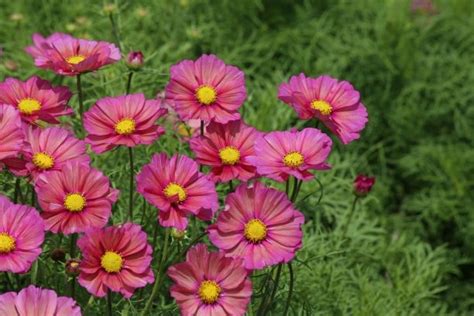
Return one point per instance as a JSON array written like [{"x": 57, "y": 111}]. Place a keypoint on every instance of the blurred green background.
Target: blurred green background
[{"x": 411, "y": 246}]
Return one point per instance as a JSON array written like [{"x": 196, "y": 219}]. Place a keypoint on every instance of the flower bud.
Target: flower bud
[
  {"x": 363, "y": 184},
  {"x": 58, "y": 254},
  {"x": 177, "y": 233},
  {"x": 135, "y": 60},
  {"x": 72, "y": 267}
]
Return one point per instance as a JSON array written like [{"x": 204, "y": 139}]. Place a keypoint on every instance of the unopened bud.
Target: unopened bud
[
  {"x": 135, "y": 60},
  {"x": 72, "y": 267},
  {"x": 58, "y": 254}
]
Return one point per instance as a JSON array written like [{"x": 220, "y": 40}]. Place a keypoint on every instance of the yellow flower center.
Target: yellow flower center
[
  {"x": 76, "y": 59},
  {"x": 209, "y": 292},
  {"x": 184, "y": 130},
  {"x": 74, "y": 202},
  {"x": 111, "y": 261},
  {"x": 43, "y": 161},
  {"x": 206, "y": 95},
  {"x": 293, "y": 159},
  {"x": 7, "y": 243},
  {"x": 174, "y": 189},
  {"x": 125, "y": 126},
  {"x": 322, "y": 106},
  {"x": 255, "y": 230},
  {"x": 229, "y": 155},
  {"x": 28, "y": 106}
]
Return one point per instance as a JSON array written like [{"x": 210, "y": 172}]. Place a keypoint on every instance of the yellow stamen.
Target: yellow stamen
[
  {"x": 229, "y": 155},
  {"x": 322, "y": 106},
  {"x": 125, "y": 126},
  {"x": 255, "y": 230},
  {"x": 206, "y": 95},
  {"x": 43, "y": 161},
  {"x": 74, "y": 202},
  {"x": 293, "y": 159},
  {"x": 76, "y": 59},
  {"x": 111, "y": 261},
  {"x": 7, "y": 243},
  {"x": 28, "y": 106},
  {"x": 209, "y": 292},
  {"x": 174, "y": 189}
]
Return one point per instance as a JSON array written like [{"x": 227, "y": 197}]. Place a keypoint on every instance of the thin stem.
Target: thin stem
[
  {"x": 109, "y": 302},
  {"x": 159, "y": 274},
  {"x": 192, "y": 243},
  {"x": 317, "y": 124},
  {"x": 17, "y": 190},
  {"x": 202, "y": 128},
  {"x": 296, "y": 189},
  {"x": 80, "y": 96},
  {"x": 349, "y": 219},
  {"x": 9, "y": 282},
  {"x": 115, "y": 31},
  {"x": 72, "y": 253},
  {"x": 231, "y": 186},
  {"x": 33, "y": 197},
  {"x": 132, "y": 182},
  {"x": 129, "y": 82},
  {"x": 275, "y": 289},
  {"x": 290, "y": 290},
  {"x": 287, "y": 187}
]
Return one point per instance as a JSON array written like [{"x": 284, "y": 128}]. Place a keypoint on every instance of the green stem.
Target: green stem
[
  {"x": 129, "y": 82},
  {"x": 159, "y": 274},
  {"x": 109, "y": 302},
  {"x": 132, "y": 182},
  {"x": 349, "y": 219},
  {"x": 115, "y": 31},
  {"x": 275, "y": 289},
  {"x": 17, "y": 191},
  {"x": 192, "y": 243},
  {"x": 9, "y": 282},
  {"x": 296, "y": 189},
  {"x": 231, "y": 186},
  {"x": 33, "y": 197},
  {"x": 72, "y": 253},
  {"x": 202, "y": 128},
  {"x": 80, "y": 97},
  {"x": 290, "y": 290}
]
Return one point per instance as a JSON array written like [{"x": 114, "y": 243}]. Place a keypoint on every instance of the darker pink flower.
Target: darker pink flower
[
  {"x": 116, "y": 258},
  {"x": 206, "y": 89},
  {"x": 177, "y": 188},
  {"x": 11, "y": 132},
  {"x": 36, "y": 99},
  {"x": 69, "y": 56},
  {"x": 21, "y": 236},
  {"x": 34, "y": 301},
  {"x": 279, "y": 155},
  {"x": 259, "y": 225},
  {"x": 75, "y": 198},
  {"x": 208, "y": 283},
  {"x": 51, "y": 148},
  {"x": 127, "y": 120},
  {"x": 336, "y": 103},
  {"x": 226, "y": 147},
  {"x": 363, "y": 185},
  {"x": 135, "y": 60}
]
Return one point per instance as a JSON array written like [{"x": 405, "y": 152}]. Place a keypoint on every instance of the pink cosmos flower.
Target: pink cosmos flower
[
  {"x": 75, "y": 198},
  {"x": 259, "y": 225},
  {"x": 34, "y": 301},
  {"x": 36, "y": 99},
  {"x": 336, "y": 103},
  {"x": 206, "y": 89},
  {"x": 226, "y": 148},
  {"x": 363, "y": 185},
  {"x": 208, "y": 283},
  {"x": 281, "y": 154},
  {"x": 21, "y": 236},
  {"x": 177, "y": 188},
  {"x": 11, "y": 132},
  {"x": 51, "y": 148},
  {"x": 69, "y": 56},
  {"x": 126, "y": 120},
  {"x": 116, "y": 258}
]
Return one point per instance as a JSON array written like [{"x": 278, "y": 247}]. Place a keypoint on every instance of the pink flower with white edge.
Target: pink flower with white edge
[
  {"x": 36, "y": 99},
  {"x": 127, "y": 120},
  {"x": 279, "y": 155},
  {"x": 34, "y": 301},
  {"x": 75, "y": 199},
  {"x": 335, "y": 103},
  {"x": 226, "y": 148},
  {"x": 206, "y": 89},
  {"x": 208, "y": 283},
  {"x": 259, "y": 225},
  {"x": 69, "y": 56},
  {"x": 177, "y": 189},
  {"x": 116, "y": 258}
]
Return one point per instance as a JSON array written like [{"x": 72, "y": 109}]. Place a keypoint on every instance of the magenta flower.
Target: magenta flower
[
  {"x": 69, "y": 56},
  {"x": 135, "y": 60},
  {"x": 208, "y": 283},
  {"x": 336, "y": 103},
  {"x": 11, "y": 132},
  {"x": 259, "y": 225},
  {"x": 126, "y": 120},
  {"x": 51, "y": 148},
  {"x": 281, "y": 154},
  {"x": 177, "y": 188},
  {"x": 21, "y": 236},
  {"x": 36, "y": 99},
  {"x": 34, "y": 301},
  {"x": 206, "y": 89},
  {"x": 363, "y": 185},
  {"x": 116, "y": 258},
  {"x": 75, "y": 199},
  {"x": 226, "y": 148}
]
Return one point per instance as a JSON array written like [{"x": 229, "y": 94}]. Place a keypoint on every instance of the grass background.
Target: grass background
[{"x": 411, "y": 245}]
